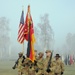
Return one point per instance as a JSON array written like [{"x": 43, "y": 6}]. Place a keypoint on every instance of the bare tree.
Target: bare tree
[
  {"x": 37, "y": 45},
  {"x": 4, "y": 36},
  {"x": 69, "y": 40},
  {"x": 73, "y": 42},
  {"x": 45, "y": 33},
  {"x": 69, "y": 44}
]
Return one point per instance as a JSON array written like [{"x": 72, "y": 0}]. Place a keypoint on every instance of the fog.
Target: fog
[
  {"x": 54, "y": 26},
  {"x": 45, "y": 39}
]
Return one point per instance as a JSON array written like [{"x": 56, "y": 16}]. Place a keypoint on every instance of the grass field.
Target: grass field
[{"x": 6, "y": 69}]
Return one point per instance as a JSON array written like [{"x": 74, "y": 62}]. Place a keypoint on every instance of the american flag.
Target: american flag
[{"x": 21, "y": 29}]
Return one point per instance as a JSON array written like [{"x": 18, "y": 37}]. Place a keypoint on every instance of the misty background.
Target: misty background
[{"x": 54, "y": 25}]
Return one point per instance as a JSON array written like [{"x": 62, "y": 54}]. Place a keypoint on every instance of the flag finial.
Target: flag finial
[{"x": 29, "y": 8}]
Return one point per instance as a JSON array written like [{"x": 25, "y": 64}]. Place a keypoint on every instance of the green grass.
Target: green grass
[
  {"x": 6, "y": 69},
  {"x": 69, "y": 70}
]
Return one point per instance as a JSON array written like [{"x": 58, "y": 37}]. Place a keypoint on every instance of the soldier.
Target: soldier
[
  {"x": 25, "y": 69},
  {"x": 40, "y": 65},
  {"x": 35, "y": 53},
  {"x": 59, "y": 65},
  {"x": 19, "y": 62},
  {"x": 36, "y": 58},
  {"x": 33, "y": 64},
  {"x": 51, "y": 69},
  {"x": 29, "y": 65},
  {"x": 31, "y": 68}
]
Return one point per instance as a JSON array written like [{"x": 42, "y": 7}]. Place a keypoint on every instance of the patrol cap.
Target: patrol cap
[
  {"x": 41, "y": 53},
  {"x": 57, "y": 55},
  {"x": 48, "y": 51},
  {"x": 21, "y": 53}
]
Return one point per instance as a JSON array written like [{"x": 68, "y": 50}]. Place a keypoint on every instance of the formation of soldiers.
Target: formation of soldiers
[{"x": 41, "y": 65}]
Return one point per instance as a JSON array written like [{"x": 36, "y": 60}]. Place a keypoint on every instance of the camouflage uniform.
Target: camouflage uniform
[
  {"x": 25, "y": 69},
  {"x": 59, "y": 66},
  {"x": 31, "y": 68},
  {"x": 19, "y": 65},
  {"x": 52, "y": 65},
  {"x": 40, "y": 64}
]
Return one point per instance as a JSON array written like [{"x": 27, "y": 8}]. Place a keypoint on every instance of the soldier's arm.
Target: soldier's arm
[
  {"x": 53, "y": 65},
  {"x": 62, "y": 66},
  {"x": 40, "y": 64}
]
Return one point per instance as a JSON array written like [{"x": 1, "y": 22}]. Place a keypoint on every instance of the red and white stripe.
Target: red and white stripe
[{"x": 21, "y": 33}]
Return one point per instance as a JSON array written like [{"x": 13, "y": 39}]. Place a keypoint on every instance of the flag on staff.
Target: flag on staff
[
  {"x": 29, "y": 36},
  {"x": 21, "y": 29}
]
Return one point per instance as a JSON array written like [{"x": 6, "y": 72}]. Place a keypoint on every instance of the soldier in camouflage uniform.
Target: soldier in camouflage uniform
[
  {"x": 33, "y": 64},
  {"x": 25, "y": 69},
  {"x": 59, "y": 65},
  {"x": 40, "y": 65},
  {"x": 35, "y": 53},
  {"x": 29, "y": 68},
  {"x": 36, "y": 58},
  {"x": 18, "y": 65},
  {"x": 51, "y": 70}
]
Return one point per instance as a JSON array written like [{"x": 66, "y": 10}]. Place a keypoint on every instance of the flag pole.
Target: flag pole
[{"x": 23, "y": 42}]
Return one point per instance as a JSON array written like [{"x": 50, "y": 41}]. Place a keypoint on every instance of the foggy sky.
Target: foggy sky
[{"x": 61, "y": 16}]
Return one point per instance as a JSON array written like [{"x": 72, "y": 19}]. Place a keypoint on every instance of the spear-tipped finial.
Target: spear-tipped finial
[{"x": 29, "y": 8}]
